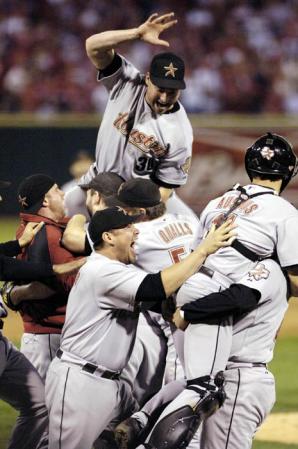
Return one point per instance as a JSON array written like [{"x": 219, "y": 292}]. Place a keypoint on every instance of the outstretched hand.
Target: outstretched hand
[
  {"x": 150, "y": 30},
  {"x": 219, "y": 237},
  {"x": 29, "y": 233}
]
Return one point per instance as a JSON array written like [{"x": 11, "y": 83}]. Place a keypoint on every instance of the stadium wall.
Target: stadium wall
[{"x": 32, "y": 145}]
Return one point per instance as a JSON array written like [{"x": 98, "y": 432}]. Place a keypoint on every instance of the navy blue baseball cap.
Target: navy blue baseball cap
[
  {"x": 32, "y": 190},
  {"x": 137, "y": 192},
  {"x": 107, "y": 219},
  {"x": 167, "y": 71},
  {"x": 106, "y": 183}
]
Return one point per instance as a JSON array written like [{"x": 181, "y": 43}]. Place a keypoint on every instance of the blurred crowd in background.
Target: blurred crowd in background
[{"x": 241, "y": 55}]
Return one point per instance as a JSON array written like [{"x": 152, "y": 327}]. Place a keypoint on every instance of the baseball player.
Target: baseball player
[
  {"x": 237, "y": 299},
  {"x": 145, "y": 131},
  {"x": 83, "y": 391},
  {"x": 266, "y": 224},
  {"x": 42, "y": 200},
  {"x": 164, "y": 238},
  {"x": 100, "y": 187},
  {"x": 20, "y": 384},
  {"x": 249, "y": 386}
]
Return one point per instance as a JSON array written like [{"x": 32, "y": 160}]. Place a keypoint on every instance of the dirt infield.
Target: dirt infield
[
  {"x": 280, "y": 428},
  {"x": 13, "y": 326}
]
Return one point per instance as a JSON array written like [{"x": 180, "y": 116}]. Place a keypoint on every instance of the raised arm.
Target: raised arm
[
  {"x": 100, "y": 47},
  {"x": 174, "y": 276},
  {"x": 74, "y": 235}
]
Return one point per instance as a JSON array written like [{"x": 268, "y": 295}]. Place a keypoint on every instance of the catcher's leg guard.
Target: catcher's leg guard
[
  {"x": 175, "y": 430},
  {"x": 211, "y": 391}
]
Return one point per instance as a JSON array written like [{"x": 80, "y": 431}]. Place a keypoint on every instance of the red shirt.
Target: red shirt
[{"x": 46, "y": 316}]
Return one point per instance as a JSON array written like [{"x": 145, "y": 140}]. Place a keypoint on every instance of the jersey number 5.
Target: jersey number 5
[{"x": 177, "y": 253}]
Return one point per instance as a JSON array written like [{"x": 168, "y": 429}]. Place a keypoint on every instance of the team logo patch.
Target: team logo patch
[
  {"x": 121, "y": 210},
  {"x": 23, "y": 201},
  {"x": 258, "y": 273},
  {"x": 144, "y": 142},
  {"x": 186, "y": 166},
  {"x": 170, "y": 70},
  {"x": 267, "y": 153}
]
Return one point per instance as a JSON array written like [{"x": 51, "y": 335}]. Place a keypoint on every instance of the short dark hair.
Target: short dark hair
[
  {"x": 105, "y": 183},
  {"x": 156, "y": 211}
]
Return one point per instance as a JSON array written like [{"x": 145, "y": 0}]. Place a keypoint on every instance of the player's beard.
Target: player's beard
[{"x": 160, "y": 108}]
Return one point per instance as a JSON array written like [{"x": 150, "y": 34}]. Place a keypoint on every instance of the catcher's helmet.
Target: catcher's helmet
[{"x": 273, "y": 155}]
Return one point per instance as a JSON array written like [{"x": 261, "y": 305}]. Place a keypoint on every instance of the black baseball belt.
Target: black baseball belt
[{"x": 91, "y": 368}]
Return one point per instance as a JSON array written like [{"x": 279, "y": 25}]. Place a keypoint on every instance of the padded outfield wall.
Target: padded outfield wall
[{"x": 33, "y": 145}]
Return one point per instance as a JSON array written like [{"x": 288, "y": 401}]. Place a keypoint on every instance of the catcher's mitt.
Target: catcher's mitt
[
  {"x": 127, "y": 433},
  {"x": 5, "y": 292}
]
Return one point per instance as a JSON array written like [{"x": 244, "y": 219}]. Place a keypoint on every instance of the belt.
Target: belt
[
  {"x": 207, "y": 271},
  {"x": 235, "y": 365},
  {"x": 259, "y": 364},
  {"x": 91, "y": 369}
]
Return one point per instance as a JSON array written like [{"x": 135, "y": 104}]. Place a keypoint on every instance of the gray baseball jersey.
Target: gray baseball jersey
[
  {"x": 164, "y": 241},
  {"x": 265, "y": 223},
  {"x": 130, "y": 133},
  {"x": 96, "y": 343},
  {"x": 89, "y": 329},
  {"x": 250, "y": 388}
]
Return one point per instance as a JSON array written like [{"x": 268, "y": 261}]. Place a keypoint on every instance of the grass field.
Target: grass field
[{"x": 284, "y": 366}]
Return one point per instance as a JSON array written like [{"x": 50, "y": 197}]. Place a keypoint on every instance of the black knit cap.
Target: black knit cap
[
  {"x": 136, "y": 192},
  {"x": 107, "y": 219},
  {"x": 106, "y": 183},
  {"x": 167, "y": 71},
  {"x": 32, "y": 190}
]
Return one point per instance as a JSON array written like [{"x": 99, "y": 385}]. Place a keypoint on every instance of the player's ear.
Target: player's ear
[
  {"x": 147, "y": 78},
  {"x": 45, "y": 202},
  {"x": 107, "y": 237},
  {"x": 97, "y": 197}
]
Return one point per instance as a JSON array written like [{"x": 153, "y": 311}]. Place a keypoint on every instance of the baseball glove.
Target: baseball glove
[{"x": 127, "y": 433}]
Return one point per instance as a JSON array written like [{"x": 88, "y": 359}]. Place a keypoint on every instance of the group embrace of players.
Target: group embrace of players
[{"x": 145, "y": 325}]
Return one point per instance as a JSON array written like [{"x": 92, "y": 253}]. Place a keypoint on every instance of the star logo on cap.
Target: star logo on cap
[
  {"x": 170, "y": 70},
  {"x": 120, "y": 209},
  {"x": 23, "y": 201}
]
